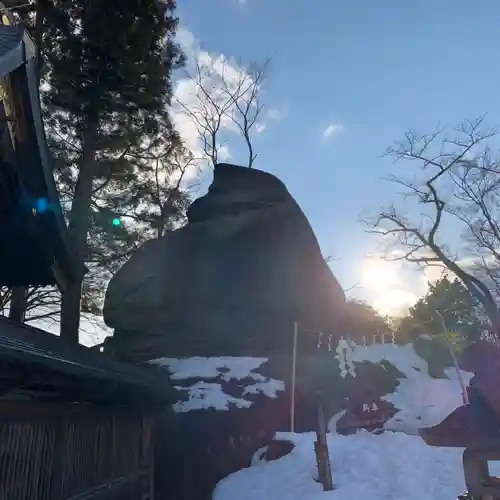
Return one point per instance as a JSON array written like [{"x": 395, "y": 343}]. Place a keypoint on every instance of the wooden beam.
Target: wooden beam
[
  {"x": 60, "y": 276},
  {"x": 294, "y": 372},
  {"x": 322, "y": 453},
  {"x": 18, "y": 303}
]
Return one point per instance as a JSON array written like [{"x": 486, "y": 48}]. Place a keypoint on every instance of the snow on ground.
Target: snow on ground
[
  {"x": 423, "y": 401},
  {"x": 215, "y": 372},
  {"x": 93, "y": 331},
  {"x": 390, "y": 466}
]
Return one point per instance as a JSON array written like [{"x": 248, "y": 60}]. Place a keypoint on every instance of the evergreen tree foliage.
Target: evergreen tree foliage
[
  {"x": 362, "y": 320},
  {"x": 448, "y": 309},
  {"x": 106, "y": 81}
]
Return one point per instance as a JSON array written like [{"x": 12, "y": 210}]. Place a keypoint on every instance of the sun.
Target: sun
[
  {"x": 378, "y": 275},
  {"x": 384, "y": 282}
]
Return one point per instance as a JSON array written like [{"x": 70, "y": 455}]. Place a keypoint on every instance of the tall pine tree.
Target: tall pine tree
[{"x": 107, "y": 88}]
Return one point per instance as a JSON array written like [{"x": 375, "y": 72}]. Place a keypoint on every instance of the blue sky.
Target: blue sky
[{"x": 372, "y": 68}]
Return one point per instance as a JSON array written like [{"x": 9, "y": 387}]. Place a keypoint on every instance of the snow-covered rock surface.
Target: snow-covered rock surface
[
  {"x": 420, "y": 400},
  {"x": 390, "y": 466},
  {"x": 215, "y": 373}
]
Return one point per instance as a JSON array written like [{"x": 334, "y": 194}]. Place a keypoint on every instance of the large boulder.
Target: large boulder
[{"x": 231, "y": 282}]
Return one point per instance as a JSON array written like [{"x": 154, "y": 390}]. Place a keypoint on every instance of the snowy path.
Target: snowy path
[{"x": 392, "y": 466}]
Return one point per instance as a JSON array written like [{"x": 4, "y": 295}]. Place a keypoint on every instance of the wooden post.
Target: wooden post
[
  {"x": 322, "y": 454},
  {"x": 294, "y": 368},
  {"x": 477, "y": 474},
  {"x": 18, "y": 303},
  {"x": 70, "y": 312},
  {"x": 465, "y": 396}
]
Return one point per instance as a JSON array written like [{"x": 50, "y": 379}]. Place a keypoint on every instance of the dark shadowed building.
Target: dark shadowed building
[
  {"x": 33, "y": 242},
  {"x": 73, "y": 424}
]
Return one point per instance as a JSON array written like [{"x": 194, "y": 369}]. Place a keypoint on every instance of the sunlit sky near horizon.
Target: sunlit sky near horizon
[{"x": 347, "y": 79}]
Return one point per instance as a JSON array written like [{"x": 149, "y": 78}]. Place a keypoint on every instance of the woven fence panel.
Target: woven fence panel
[
  {"x": 26, "y": 451},
  {"x": 74, "y": 452}
]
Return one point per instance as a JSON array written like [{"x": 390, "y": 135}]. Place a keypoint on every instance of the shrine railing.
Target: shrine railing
[{"x": 331, "y": 342}]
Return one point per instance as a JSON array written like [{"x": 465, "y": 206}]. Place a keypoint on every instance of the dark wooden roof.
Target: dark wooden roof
[
  {"x": 33, "y": 243},
  {"x": 14, "y": 3},
  {"x": 38, "y": 363}
]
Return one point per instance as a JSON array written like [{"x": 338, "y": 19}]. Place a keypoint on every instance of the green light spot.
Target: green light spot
[{"x": 116, "y": 221}]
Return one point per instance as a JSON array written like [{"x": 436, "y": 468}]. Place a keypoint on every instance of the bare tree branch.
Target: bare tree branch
[
  {"x": 226, "y": 99},
  {"x": 457, "y": 179},
  {"x": 41, "y": 302}
]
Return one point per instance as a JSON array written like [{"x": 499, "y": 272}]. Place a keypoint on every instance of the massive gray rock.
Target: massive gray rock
[{"x": 232, "y": 281}]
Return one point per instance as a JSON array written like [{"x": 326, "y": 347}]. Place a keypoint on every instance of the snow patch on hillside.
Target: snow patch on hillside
[{"x": 422, "y": 401}]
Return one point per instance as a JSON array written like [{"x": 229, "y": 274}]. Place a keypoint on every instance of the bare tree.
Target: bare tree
[
  {"x": 456, "y": 183},
  {"x": 225, "y": 98},
  {"x": 477, "y": 206},
  {"x": 332, "y": 258},
  {"x": 41, "y": 302},
  {"x": 172, "y": 188}
]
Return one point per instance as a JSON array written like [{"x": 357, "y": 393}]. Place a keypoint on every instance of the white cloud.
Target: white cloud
[
  {"x": 187, "y": 41},
  {"x": 332, "y": 130},
  {"x": 260, "y": 127},
  {"x": 224, "y": 154},
  {"x": 272, "y": 114},
  {"x": 275, "y": 114}
]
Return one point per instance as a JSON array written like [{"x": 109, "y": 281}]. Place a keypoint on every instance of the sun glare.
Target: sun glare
[
  {"x": 384, "y": 281},
  {"x": 378, "y": 275},
  {"x": 395, "y": 302}
]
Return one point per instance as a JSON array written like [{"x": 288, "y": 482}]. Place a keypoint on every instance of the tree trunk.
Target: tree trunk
[
  {"x": 18, "y": 303},
  {"x": 77, "y": 230}
]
